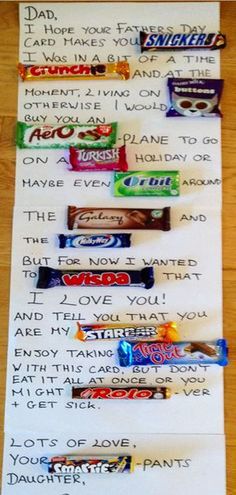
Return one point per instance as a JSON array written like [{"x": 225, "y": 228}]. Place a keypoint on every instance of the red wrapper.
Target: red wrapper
[{"x": 86, "y": 160}]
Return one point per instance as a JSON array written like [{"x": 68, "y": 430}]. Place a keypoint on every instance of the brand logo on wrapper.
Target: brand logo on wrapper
[
  {"x": 108, "y": 393},
  {"x": 119, "y": 333},
  {"x": 179, "y": 40},
  {"x": 82, "y": 69},
  {"x": 158, "y": 353},
  {"x": 94, "y": 240},
  {"x": 85, "y": 468},
  {"x": 94, "y": 465},
  {"x": 102, "y": 279},
  {"x": 135, "y": 180},
  {"x": 98, "y": 155}
]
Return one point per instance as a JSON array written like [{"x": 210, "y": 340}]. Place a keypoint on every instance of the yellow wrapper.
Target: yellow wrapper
[
  {"x": 167, "y": 332},
  {"x": 118, "y": 70}
]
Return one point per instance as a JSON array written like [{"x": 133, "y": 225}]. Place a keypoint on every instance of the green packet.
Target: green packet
[
  {"x": 64, "y": 136},
  {"x": 148, "y": 183}
]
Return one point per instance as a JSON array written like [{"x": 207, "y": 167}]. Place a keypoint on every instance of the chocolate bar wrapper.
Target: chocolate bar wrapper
[
  {"x": 194, "y": 97},
  {"x": 90, "y": 160},
  {"x": 91, "y": 464},
  {"x": 153, "y": 353},
  {"x": 63, "y": 136},
  {"x": 50, "y": 277},
  {"x": 94, "y": 241},
  {"x": 113, "y": 393},
  {"x": 119, "y": 218},
  {"x": 181, "y": 41},
  {"x": 116, "y": 70},
  {"x": 146, "y": 183},
  {"x": 165, "y": 332}
]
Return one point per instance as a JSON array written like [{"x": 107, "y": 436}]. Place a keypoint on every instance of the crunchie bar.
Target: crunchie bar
[{"x": 116, "y": 70}]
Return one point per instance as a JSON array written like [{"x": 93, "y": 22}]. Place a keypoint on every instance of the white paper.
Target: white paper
[
  {"x": 163, "y": 463},
  {"x": 43, "y": 361}
]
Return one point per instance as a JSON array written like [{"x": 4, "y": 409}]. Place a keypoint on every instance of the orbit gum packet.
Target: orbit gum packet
[
  {"x": 194, "y": 97},
  {"x": 146, "y": 183}
]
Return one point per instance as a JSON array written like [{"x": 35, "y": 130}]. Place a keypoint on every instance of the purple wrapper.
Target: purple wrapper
[{"x": 194, "y": 97}]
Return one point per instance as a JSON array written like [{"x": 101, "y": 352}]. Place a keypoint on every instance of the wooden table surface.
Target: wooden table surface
[{"x": 8, "y": 108}]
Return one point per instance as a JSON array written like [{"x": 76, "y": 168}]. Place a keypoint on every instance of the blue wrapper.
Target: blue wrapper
[
  {"x": 94, "y": 240},
  {"x": 51, "y": 277},
  {"x": 194, "y": 97},
  {"x": 154, "y": 353}
]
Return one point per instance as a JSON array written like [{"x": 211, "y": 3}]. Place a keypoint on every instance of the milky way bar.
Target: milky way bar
[
  {"x": 118, "y": 218},
  {"x": 64, "y": 136},
  {"x": 117, "y": 70},
  {"x": 166, "y": 331},
  {"x": 50, "y": 277},
  {"x": 94, "y": 240},
  {"x": 150, "y": 353},
  {"x": 163, "y": 41},
  {"x": 132, "y": 393},
  {"x": 90, "y": 160},
  {"x": 91, "y": 464}
]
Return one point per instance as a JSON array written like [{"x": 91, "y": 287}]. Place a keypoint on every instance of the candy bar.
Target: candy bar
[
  {"x": 64, "y": 136},
  {"x": 151, "y": 353},
  {"x": 94, "y": 240},
  {"x": 118, "y": 218},
  {"x": 90, "y": 160},
  {"x": 201, "y": 347},
  {"x": 148, "y": 183},
  {"x": 180, "y": 41},
  {"x": 50, "y": 277},
  {"x": 166, "y": 331},
  {"x": 194, "y": 97},
  {"x": 117, "y": 70},
  {"x": 67, "y": 464},
  {"x": 121, "y": 393}
]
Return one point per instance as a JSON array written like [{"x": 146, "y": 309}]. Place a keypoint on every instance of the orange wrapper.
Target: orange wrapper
[
  {"x": 163, "y": 333},
  {"x": 117, "y": 70}
]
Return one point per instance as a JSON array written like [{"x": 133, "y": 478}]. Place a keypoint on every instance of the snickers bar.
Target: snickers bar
[{"x": 181, "y": 41}]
